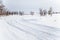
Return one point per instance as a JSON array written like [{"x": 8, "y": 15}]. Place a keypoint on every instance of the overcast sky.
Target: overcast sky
[{"x": 31, "y": 5}]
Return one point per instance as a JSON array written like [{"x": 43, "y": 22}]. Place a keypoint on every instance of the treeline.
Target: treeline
[
  {"x": 16, "y": 13},
  {"x": 45, "y": 12},
  {"x": 41, "y": 12}
]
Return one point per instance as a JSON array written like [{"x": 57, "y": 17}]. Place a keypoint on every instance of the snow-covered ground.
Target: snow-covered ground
[{"x": 29, "y": 27}]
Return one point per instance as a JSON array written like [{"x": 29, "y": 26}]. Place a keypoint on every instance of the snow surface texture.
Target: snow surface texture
[{"x": 30, "y": 27}]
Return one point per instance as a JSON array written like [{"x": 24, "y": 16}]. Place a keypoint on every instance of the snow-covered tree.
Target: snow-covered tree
[
  {"x": 50, "y": 11},
  {"x": 44, "y": 12},
  {"x": 41, "y": 12},
  {"x": 32, "y": 13},
  {"x": 21, "y": 13}
]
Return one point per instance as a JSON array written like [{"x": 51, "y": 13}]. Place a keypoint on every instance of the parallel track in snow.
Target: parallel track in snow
[
  {"x": 49, "y": 28},
  {"x": 34, "y": 32},
  {"x": 41, "y": 34}
]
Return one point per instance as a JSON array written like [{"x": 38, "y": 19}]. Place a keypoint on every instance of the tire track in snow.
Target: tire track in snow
[
  {"x": 43, "y": 32},
  {"x": 50, "y": 33},
  {"x": 42, "y": 25},
  {"x": 22, "y": 30},
  {"x": 35, "y": 34},
  {"x": 13, "y": 35},
  {"x": 6, "y": 32},
  {"x": 38, "y": 31},
  {"x": 47, "y": 27},
  {"x": 38, "y": 25}
]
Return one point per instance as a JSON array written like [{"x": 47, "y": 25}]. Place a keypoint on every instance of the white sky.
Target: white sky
[{"x": 31, "y": 5}]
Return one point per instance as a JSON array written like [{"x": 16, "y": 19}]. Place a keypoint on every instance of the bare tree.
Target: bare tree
[
  {"x": 50, "y": 11},
  {"x": 32, "y": 13},
  {"x": 21, "y": 13},
  {"x": 44, "y": 12},
  {"x": 41, "y": 12}
]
